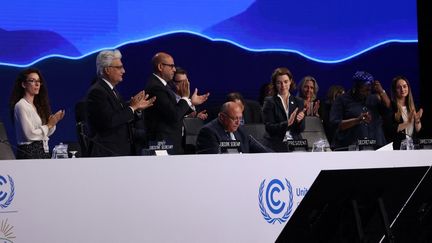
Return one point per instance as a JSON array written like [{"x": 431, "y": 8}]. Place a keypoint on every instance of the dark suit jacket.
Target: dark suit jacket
[
  {"x": 276, "y": 121},
  {"x": 391, "y": 128},
  {"x": 164, "y": 119},
  {"x": 109, "y": 119},
  {"x": 210, "y": 136}
]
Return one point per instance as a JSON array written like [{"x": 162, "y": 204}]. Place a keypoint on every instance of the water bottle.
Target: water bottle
[
  {"x": 319, "y": 146},
  {"x": 407, "y": 144},
  {"x": 60, "y": 151}
]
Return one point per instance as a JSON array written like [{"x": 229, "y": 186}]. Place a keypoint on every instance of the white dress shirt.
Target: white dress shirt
[
  {"x": 28, "y": 125},
  {"x": 184, "y": 98}
]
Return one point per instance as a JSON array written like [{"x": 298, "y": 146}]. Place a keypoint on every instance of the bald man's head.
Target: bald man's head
[
  {"x": 230, "y": 116},
  {"x": 163, "y": 65}
]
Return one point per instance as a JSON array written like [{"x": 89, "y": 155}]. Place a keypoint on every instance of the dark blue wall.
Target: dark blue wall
[{"x": 217, "y": 67}]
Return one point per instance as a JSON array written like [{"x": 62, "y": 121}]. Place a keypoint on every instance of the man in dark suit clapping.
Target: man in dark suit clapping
[
  {"x": 109, "y": 116},
  {"x": 165, "y": 119}
]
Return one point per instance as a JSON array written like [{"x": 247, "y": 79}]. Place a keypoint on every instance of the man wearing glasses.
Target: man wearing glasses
[
  {"x": 180, "y": 76},
  {"x": 165, "y": 119},
  {"x": 226, "y": 130},
  {"x": 110, "y": 117}
]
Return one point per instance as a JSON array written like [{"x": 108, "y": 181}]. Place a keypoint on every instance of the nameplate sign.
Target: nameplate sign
[
  {"x": 230, "y": 146},
  {"x": 366, "y": 144},
  {"x": 297, "y": 145},
  {"x": 161, "y": 147},
  {"x": 425, "y": 143}
]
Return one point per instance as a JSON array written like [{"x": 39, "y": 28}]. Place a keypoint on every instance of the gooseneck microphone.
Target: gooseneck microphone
[
  {"x": 99, "y": 144},
  {"x": 258, "y": 144}
]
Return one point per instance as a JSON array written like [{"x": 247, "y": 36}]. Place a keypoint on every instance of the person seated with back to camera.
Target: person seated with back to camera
[
  {"x": 283, "y": 113},
  {"x": 252, "y": 112},
  {"x": 308, "y": 92},
  {"x": 226, "y": 127},
  {"x": 404, "y": 119},
  {"x": 358, "y": 114}
]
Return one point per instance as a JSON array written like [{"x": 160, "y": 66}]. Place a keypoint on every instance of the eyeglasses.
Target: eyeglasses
[
  {"x": 234, "y": 119},
  {"x": 117, "y": 67},
  {"x": 172, "y": 66},
  {"x": 34, "y": 81}
]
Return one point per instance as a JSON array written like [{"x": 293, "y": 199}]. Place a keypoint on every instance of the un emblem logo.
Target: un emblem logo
[
  {"x": 278, "y": 199},
  {"x": 7, "y": 191}
]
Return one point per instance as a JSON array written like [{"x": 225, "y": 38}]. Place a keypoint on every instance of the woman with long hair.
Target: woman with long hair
[
  {"x": 405, "y": 119},
  {"x": 283, "y": 113},
  {"x": 308, "y": 91},
  {"x": 32, "y": 115}
]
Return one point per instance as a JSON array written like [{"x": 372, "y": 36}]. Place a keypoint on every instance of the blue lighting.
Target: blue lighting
[
  {"x": 328, "y": 61},
  {"x": 328, "y": 31}
]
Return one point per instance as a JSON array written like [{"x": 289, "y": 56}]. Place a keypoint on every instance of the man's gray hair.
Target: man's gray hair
[{"x": 105, "y": 58}]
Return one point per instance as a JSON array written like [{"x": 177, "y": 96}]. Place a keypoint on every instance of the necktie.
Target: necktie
[{"x": 116, "y": 94}]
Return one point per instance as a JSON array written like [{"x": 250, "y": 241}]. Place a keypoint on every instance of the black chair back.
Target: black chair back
[
  {"x": 83, "y": 138},
  {"x": 6, "y": 151},
  {"x": 192, "y": 126},
  {"x": 314, "y": 130},
  {"x": 257, "y": 130}
]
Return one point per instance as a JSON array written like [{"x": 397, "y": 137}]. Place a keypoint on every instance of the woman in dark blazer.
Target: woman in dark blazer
[
  {"x": 283, "y": 113},
  {"x": 405, "y": 119}
]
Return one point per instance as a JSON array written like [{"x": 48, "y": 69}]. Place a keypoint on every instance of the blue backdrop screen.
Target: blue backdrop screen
[
  {"x": 327, "y": 30},
  {"x": 225, "y": 45}
]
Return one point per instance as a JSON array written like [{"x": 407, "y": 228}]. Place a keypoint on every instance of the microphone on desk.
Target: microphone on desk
[
  {"x": 258, "y": 144},
  {"x": 99, "y": 144}
]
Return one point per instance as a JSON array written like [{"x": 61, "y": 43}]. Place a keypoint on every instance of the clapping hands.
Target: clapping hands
[
  {"x": 316, "y": 106},
  {"x": 141, "y": 101},
  {"x": 55, "y": 118},
  {"x": 416, "y": 116},
  {"x": 199, "y": 99},
  {"x": 202, "y": 115},
  {"x": 183, "y": 90},
  {"x": 298, "y": 117}
]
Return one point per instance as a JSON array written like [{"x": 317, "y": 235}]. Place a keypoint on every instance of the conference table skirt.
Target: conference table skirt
[{"x": 184, "y": 198}]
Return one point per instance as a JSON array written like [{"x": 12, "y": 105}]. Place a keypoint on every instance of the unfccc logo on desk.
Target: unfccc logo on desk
[
  {"x": 7, "y": 191},
  {"x": 275, "y": 200}
]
